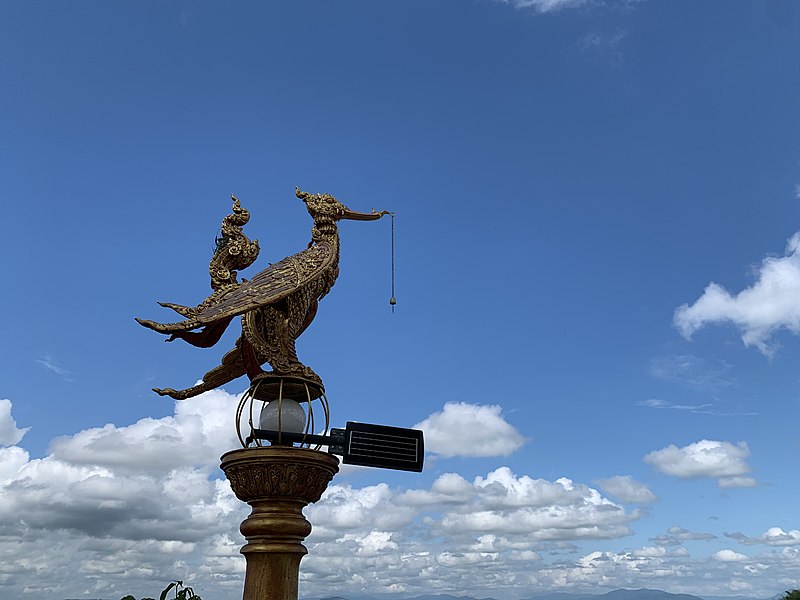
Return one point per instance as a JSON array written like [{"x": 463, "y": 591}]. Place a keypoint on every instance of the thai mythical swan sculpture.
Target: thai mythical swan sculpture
[{"x": 275, "y": 306}]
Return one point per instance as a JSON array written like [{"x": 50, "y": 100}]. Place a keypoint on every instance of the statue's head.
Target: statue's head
[{"x": 325, "y": 206}]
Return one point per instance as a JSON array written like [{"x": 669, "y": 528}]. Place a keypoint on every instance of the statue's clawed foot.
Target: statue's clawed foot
[
  {"x": 308, "y": 373},
  {"x": 297, "y": 370}
]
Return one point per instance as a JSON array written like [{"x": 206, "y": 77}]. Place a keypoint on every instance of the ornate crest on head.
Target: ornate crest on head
[
  {"x": 233, "y": 249},
  {"x": 321, "y": 205}
]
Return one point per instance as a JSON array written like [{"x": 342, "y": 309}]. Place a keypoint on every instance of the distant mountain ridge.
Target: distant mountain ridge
[{"x": 619, "y": 594}]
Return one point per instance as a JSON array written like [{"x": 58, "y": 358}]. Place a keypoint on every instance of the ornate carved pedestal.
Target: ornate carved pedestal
[{"x": 277, "y": 482}]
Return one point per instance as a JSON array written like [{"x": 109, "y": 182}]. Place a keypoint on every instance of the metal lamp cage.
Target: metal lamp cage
[{"x": 275, "y": 388}]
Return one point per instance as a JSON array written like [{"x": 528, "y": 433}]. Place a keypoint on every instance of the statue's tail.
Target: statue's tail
[
  {"x": 184, "y": 311},
  {"x": 186, "y": 325}
]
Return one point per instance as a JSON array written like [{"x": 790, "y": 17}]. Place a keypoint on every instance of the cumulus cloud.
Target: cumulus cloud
[
  {"x": 455, "y": 534},
  {"x": 771, "y": 303},
  {"x": 136, "y": 505},
  {"x": 676, "y": 536},
  {"x": 345, "y": 510},
  {"x": 198, "y": 433},
  {"x": 501, "y": 503},
  {"x": 10, "y": 434},
  {"x": 462, "y": 429},
  {"x": 100, "y": 523},
  {"x": 539, "y": 509},
  {"x": 774, "y": 536},
  {"x": 649, "y": 567},
  {"x": 110, "y": 510},
  {"x": 627, "y": 489},
  {"x": 706, "y": 458},
  {"x": 728, "y": 556},
  {"x": 488, "y": 566}
]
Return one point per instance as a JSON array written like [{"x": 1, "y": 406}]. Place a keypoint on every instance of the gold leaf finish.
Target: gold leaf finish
[
  {"x": 279, "y": 472},
  {"x": 277, "y": 482},
  {"x": 275, "y": 306}
]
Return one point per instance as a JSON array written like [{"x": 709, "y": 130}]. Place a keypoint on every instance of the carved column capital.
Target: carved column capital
[
  {"x": 277, "y": 482},
  {"x": 279, "y": 472}
]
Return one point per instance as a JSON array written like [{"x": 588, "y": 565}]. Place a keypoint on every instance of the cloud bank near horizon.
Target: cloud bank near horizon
[{"x": 116, "y": 509}]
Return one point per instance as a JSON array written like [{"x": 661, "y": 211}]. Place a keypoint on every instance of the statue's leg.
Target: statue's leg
[
  {"x": 295, "y": 367},
  {"x": 251, "y": 364}
]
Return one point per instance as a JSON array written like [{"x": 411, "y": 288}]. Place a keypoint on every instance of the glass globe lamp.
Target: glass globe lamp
[
  {"x": 282, "y": 405},
  {"x": 283, "y": 415}
]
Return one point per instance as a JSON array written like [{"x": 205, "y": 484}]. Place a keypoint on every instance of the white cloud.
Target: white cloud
[
  {"x": 94, "y": 523},
  {"x": 544, "y": 6},
  {"x": 706, "y": 458},
  {"x": 774, "y": 536},
  {"x": 627, "y": 489},
  {"x": 10, "y": 434},
  {"x": 771, "y": 303},
  {"x": 676, "y": 536},
  {"x": 728, "y": 556},
  {"x": 709, "y": 375},
  {"x": 50, "y": 364},
  {"x": 344, "y": 509},
  {"x": 549, "y": 6},
  {"x": 462, "y": 429},
  {"x": 676, "y": 570},
  {"x": 737, "y": 482},
  {"x": 650, "y": 552},
  {"x": 454, "y": 535},
  {"x": 484, "y": 568},
  {"x": 137, "y": 505},
  {"x": 697, "y": 409},
  {"x": 502, "y": 503},
  {"x": 199, "y": 432},
  {"x": 664, "y": 405},
  {"x": 447, "y": 489},
  {"x": 11, "y": 461}
]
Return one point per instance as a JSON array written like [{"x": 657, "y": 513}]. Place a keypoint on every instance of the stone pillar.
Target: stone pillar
[{"x": 277, "y": 482}]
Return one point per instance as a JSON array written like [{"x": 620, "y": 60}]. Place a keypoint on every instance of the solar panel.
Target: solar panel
[
  {"x": 383, "y": 446},
  {"x": 362, "y": 444}
]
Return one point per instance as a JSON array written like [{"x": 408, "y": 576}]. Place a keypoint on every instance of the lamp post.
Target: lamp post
[
  {"x": 277, "y": 482},
  {"x": 279, "y": 479}
]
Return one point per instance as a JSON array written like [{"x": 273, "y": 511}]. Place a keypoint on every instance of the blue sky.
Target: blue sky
[{"x": 598, "y": 286}]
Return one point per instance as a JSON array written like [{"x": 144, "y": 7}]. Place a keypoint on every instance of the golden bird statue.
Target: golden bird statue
[{"x": 275, "y": 306}]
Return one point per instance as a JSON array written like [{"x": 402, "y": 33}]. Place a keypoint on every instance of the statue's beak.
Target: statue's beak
[{"x": 359, "y": 216}]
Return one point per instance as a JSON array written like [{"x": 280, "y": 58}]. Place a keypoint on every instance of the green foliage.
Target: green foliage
[
  {"x": 791, "y": 595},
  {"x": 181, "y": 593}
]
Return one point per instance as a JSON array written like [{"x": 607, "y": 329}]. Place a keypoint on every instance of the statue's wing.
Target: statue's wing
[{"x": 271, "y": 285}]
